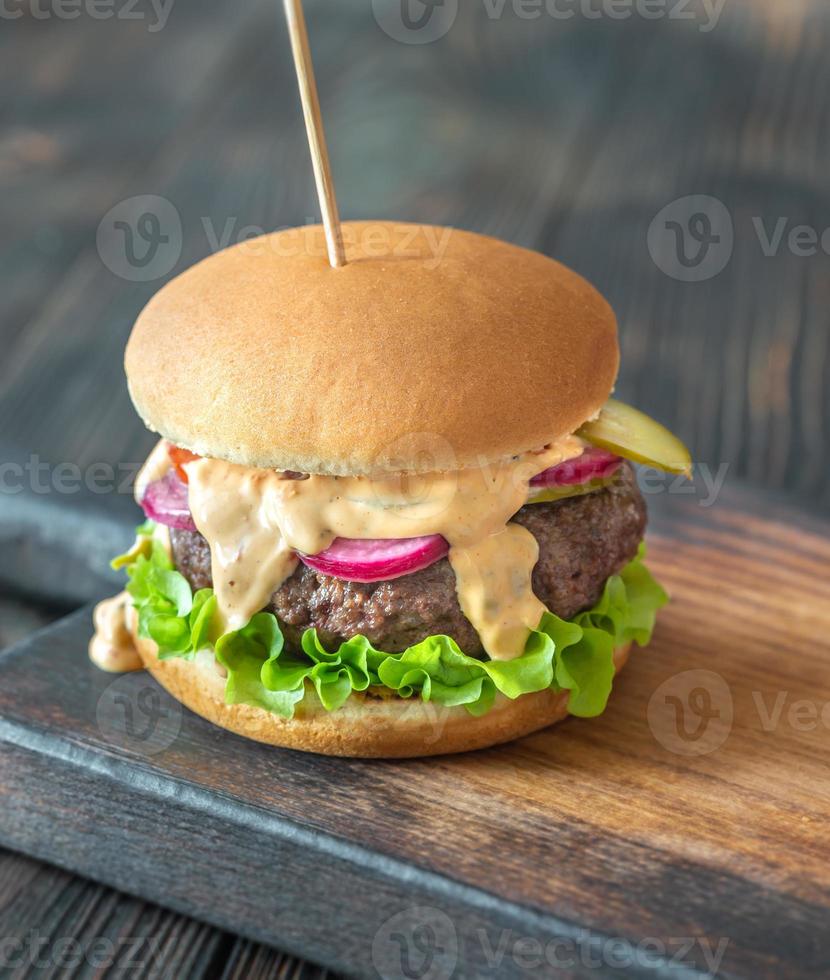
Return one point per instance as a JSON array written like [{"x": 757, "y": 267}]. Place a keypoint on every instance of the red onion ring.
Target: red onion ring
[
  {"x": 165, "y": 501},
  {"x": 593, "y": 464},
  {"x": 373, "y": 560}
]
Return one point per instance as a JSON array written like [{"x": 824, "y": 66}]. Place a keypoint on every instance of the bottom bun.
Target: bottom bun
[{"x": 367, "y": 726}]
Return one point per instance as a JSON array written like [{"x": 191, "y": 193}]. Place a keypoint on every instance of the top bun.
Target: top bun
[{"x": 432, "y": 349}]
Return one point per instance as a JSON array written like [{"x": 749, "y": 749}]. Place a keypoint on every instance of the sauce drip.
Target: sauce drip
[
  {"x": 111, "y": 647},
  {"x": 155, "y": 467},
  {"x": 254, "y": 521},
  {"x": 493, "y": 582}
]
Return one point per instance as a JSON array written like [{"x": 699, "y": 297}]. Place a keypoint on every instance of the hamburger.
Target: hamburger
[{"x": 392, "y": 510}]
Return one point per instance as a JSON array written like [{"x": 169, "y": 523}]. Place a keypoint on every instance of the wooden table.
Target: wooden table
[{"x": 571, "y": 136}]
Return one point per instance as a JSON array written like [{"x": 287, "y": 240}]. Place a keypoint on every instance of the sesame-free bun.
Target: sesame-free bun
[
  {"x": 365, "y": 727},
  {"x": 432, "y": 349}
]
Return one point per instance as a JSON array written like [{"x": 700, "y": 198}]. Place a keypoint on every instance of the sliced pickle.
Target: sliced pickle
[
  {"x": 545, "y": 495},
  {"x": 629, "y": 432}
]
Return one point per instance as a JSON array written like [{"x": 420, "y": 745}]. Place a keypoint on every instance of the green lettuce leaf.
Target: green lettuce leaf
[{"x": 575, "y": 656}]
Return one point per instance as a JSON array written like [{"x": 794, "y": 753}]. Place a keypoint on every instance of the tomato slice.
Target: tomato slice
[{"x": 179, "y": 457}]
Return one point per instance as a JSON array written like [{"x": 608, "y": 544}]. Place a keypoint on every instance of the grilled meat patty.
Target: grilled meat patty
[{"x": 582, "y": 542}]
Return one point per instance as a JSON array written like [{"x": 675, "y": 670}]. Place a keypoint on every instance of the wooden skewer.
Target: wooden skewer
[{"x": 314, "y": 128}]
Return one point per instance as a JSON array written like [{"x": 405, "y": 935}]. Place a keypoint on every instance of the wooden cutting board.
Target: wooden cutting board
[{"x": 684, "y": 833}]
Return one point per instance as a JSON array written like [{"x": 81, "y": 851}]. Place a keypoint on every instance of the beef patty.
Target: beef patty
[{"x": 582, "y": 542}]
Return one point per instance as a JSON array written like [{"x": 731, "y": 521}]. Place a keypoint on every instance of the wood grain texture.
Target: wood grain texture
[
  {"x": 19, "y": 619},
  {"x": 567, "y": 136},
  {"x": 53, "y": 924},
  {"x": 610, "y": 825}
]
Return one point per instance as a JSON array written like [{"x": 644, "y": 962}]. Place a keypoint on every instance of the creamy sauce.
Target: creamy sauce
[
  {"x": 232, "y": 506},
  {"x": 254, "y": 521},
  {"x": 494, "y": 589},
  {"x": 112, "y": 647},
  {"x": 155, "y": 467}
]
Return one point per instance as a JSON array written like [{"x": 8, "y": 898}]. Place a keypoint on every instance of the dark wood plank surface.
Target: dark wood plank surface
[
  {"x": 569, "y": 136},
  {"x": 54, "y": 924},
  {"x": 630, "y": 829},
  {"x": 111, "y": 931}
]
